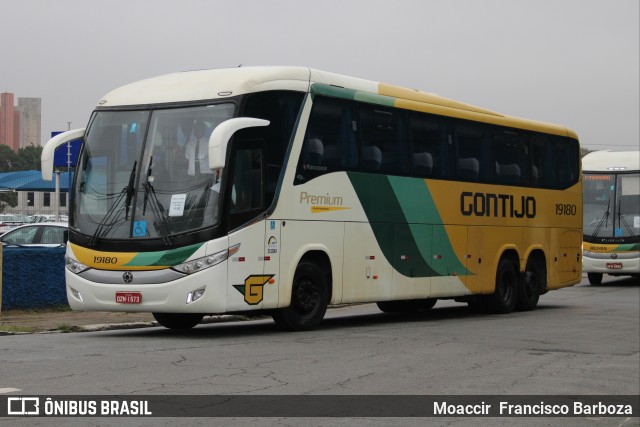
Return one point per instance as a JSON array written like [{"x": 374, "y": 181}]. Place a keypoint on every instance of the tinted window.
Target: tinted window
[
  {"x": 475, "y": 162},
  {"x": 431, "y": 146},
  {"x": 511, "y": 164},
  {"x": 330, "y": 143},
  {"x": 383, "y": 140}
]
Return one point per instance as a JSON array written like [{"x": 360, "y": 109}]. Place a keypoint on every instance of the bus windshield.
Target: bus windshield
[
  {"x": 611, "y": 205},
  {"x": 145, "y": 174}
]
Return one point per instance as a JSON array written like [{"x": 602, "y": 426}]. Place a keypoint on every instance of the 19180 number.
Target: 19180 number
[
  {"x": 566, "y": 209},
  {"x": 105, "y": 260}
]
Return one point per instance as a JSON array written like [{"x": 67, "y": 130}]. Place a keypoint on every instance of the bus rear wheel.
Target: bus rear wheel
[
  {"x": 533, "y": 281},
  {"x": 505, "y": 297},
  {"x": 178, "y": 320},
  {"x": 406, "y": 306},
  {"x": 309, "y": 299},
  {"x": 595, "y": 278}
]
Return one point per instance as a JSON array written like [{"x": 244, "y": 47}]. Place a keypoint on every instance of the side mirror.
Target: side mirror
[
  {"x": 222, "y": 134},
  {"x": 46, "y": 159}
]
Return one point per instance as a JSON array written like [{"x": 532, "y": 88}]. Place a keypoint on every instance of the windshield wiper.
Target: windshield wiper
[
  {"x": 605, "y": 218},
  {"x": 129, "y": 190},
  {"x": 622, "y": 220},
  {"x": 159, "y": 213},
  {"x": 111, "y": 217}
]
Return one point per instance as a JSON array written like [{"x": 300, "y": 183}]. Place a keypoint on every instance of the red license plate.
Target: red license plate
[
  {"x": 128, "y": 297},
  {"x": 614, "y": 265}
]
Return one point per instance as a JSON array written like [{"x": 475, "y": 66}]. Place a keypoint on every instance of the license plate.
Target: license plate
[
  {"x": 614, "y": 265},
  {"x": 128, "y": 297}
]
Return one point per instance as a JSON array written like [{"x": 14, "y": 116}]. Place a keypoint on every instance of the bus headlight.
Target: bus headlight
[
  {"x": 75, "y": 266},
  {"x": 208, "y": 261}
]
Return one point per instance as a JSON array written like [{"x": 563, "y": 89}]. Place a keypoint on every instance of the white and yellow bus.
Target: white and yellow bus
[
  {"x": 611, "y": 214},
  {"x": 288, "y": 189}
]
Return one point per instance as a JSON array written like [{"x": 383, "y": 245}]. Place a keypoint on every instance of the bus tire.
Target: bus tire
[
  {"x": 533, "y": 280},
  {"x": 309, "y": 299},
  {"x": 406, "y": 306},
  {"x": 505, "y": 296},
  {"x": 178, "y": 320},
  {"x": 595, "y": 278}
]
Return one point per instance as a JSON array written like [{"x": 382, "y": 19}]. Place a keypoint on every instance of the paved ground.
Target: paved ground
[
  {"x": 47, "y": 321},
  {"x": 19, "y": 321}
]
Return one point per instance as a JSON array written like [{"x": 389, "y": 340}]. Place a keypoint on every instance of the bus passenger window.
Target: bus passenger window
[
  {"x": 567, "y": 164},
  {"x": 383, "y": 140},
  {"x": 430, "y": 146},
  {"x": 475, "y": 159},
  {"x": 330, "y": 143},
  {"x": 510, "y": 156}
]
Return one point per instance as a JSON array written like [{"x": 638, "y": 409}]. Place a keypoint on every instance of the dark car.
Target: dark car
[{"x": 45, "y": 234}]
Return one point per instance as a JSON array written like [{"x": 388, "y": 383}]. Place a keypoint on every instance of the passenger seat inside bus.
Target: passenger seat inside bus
[
  {"x": 469, "y": 168},
  {"x": 509, "y": 174},
  {"x": 422, "y": 164},
  {"x": 314, "y": 152},
  {"x": 371, "y": 158}
]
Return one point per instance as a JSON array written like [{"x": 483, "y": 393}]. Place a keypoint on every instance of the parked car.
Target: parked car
[
  {"x": 10, "y": 221},
  {"x": 44, "y": 234}
]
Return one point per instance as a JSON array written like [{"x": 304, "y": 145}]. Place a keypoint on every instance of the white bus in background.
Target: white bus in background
[{"x": 611, "y": 231}]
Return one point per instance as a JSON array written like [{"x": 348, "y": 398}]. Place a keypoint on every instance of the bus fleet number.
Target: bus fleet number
[
  {"x": 566, "y": 209},
  {"x": 105, "y": 260}
]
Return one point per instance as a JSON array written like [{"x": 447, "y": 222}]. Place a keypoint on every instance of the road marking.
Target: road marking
[{"x": 9, "y": 390}]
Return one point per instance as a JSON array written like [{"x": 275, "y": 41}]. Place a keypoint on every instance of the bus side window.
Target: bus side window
[
  {"x": 430, "y": 146},
  {"x": 510, "y": 156},
  {"x": 246, "y": 198},
  {"x": 475, "y": 159},
  {"x": 567, "y": 155},
  {"x": 330, "y": 143},
  {"x": 543, "y": 173},
  {"x": 383, "y": 140},
  {"x": 281, "y": 109}
]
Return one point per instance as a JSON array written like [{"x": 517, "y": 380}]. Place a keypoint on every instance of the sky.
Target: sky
[{"x": 569, "y": 62}]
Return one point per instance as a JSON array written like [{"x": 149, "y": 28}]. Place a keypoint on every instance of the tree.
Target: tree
[
  {"x": 8, "y": 159},
  {"x": 8, "y": 198},
  {"x": 29, "y": 158}
]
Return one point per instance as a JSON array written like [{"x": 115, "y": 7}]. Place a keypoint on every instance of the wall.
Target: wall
[{"x": 33, "y": 278}]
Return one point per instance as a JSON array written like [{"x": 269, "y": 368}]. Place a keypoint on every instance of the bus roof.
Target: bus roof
[
  {"x": 202, "y": 85},
  {"x": 611, "y": 161}
]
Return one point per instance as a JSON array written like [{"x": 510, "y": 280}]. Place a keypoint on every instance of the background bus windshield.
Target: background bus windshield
[{"x": 611, "y": 205}]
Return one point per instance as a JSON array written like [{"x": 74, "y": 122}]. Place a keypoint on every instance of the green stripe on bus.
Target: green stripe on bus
[
  {"x": 627, "y": 247},
  {"x": 422, "y": 214},
  {"x": 164, "y": 258},
  {"x": 405, "y": 231},
  {"x": 352, "y": 95}
]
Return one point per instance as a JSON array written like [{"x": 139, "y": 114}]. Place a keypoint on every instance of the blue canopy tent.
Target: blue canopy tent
[{"x": 32, "y": 181}]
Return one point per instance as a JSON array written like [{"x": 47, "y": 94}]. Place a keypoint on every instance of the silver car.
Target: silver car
[{"x": 44, "y": 234}]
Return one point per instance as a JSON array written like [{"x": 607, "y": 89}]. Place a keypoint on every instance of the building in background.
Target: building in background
[
  {"x": 30, "y": 110},
  {"x": 20, "y": 126}
]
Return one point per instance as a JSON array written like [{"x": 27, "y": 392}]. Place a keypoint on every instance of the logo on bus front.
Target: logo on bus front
[{"x": 253, "y": 288}]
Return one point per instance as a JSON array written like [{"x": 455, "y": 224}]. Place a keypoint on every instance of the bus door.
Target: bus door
[{"x": 250, "y": 285}]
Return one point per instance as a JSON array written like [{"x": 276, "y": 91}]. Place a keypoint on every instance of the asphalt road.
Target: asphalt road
[{"x": 580, "y": 340}]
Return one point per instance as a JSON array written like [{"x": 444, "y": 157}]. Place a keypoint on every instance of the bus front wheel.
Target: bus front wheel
[
  {"x": 595, "y": 278},
  {"x": 505, "y": 297},
  {"x": 309, "y": 299},
  {"x": 178, "y": 320}
]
